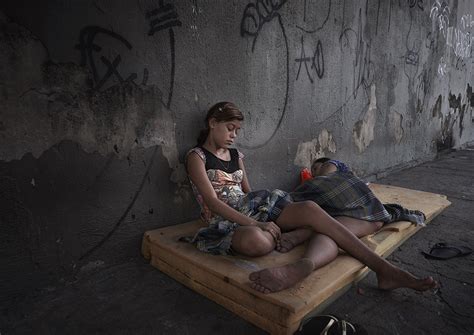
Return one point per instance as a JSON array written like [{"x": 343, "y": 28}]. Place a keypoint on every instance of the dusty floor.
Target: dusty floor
[{"x": 134, "y": 298}]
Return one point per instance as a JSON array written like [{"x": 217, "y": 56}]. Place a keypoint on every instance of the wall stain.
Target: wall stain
[
  {"x": 454, "y": 102},
  {"x": 446, "y": 141},
  {"x": 363, "y": 130},
  {"x": 461, "y": 119},
  {"x": 469, "y": 95},
  {"x": 436, "y": 111}
]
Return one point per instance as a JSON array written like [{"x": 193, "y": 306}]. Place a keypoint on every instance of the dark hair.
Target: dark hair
[
  {"x": 320, "y": 160},
  {"x": 222, "y": 111}
]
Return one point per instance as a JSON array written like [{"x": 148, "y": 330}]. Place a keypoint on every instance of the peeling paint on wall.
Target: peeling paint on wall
[
  {"x": 363, "y": 131},
  {"x": 319, "y": 147},
  {"x": 395, "y": 120},
  {"x": 47, "y": 102}
]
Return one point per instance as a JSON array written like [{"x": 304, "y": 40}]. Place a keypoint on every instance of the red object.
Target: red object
[{"x": 305, "y": 174}]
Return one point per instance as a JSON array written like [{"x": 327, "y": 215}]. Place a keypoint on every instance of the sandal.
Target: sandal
[
  {"x": 328, "y": 325},
  {"x": 446, "y": 251}
]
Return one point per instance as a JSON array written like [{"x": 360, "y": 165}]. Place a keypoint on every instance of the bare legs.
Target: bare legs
[
  {"x": 252, "y": 241},
  {"x": 359, "y": 228},
  {"x": 324, "y": 248},
  {"x": 293, "y": 238}
]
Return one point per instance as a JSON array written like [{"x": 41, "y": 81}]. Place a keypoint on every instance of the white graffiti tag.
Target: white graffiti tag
[
  {"x": 442, "y": 71},
  {"x": 440, "y": 14},
  {"x": 460, "y": 41}
]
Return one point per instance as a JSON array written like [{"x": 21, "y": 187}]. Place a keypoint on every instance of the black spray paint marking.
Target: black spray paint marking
[
  {"x": 304, "y": 11},
  {"x": 127, "y": 210},
  {"x": 254, "y": 17},
  {"x": 317, "y": 61},
  {"x": 87, "y": 47},
  {"x": 310, "y": 31},
  {"x": 417, "y": 3},
  {"x": 364, "y": 71},
  {"x": 411, "y": 57},
  {"x": 377, "y": 24},
  {"x": 162, "y": 18}
]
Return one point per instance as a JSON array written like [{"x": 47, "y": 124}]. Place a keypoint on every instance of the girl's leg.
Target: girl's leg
[
  {"x": 252, "y": 241},
  {"x": 308, "y": 214},
  {"x": 359, "y": 228},
  {"x": 321, "y": 250}
]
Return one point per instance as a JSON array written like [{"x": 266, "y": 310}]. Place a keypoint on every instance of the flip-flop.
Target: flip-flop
[
  {"x": 445, "y": 251},
  {"x": 319, "y": 324},
  {"x": 327, "y": 325}
]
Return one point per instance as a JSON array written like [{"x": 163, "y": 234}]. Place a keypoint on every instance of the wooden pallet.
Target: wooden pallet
[{"x": 224, "y": 279}]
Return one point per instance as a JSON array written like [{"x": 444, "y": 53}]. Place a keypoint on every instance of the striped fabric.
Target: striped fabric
[{"x": 344, "y": 194}]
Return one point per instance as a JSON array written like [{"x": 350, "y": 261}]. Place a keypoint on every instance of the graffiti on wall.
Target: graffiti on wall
[
  {"x": 314, "y": 63},
  {"x": 254, "y": 17},
  {"x": 90, "y": 51},
  {"x": 415, "y": 4},
  {"x": 457, "y": 38},
  {"x": 363, "y": 67},
  {"x": 311, "y": 30},
  {"x": 442, "y": 67},
  {"x": 163, "y": 18},
  {"x": 439, "y": 14},
  {"x": 105, "y": 70}
]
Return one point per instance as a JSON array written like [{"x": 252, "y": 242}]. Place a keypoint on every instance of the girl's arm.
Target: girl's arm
[
  {"x": 198, "y": 175},
  {"x": 245, "y": 182}
]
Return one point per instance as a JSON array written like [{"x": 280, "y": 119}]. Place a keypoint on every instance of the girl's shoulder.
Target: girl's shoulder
[
  {"x": 241, "y": 155},
  {"x": 198, "y": 151}
]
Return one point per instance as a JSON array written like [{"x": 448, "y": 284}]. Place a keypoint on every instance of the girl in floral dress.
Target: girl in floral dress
[{"x": 242, "y": 221}]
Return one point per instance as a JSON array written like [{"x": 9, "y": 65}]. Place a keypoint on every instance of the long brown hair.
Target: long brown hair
[{"x": 222, "y": 111}]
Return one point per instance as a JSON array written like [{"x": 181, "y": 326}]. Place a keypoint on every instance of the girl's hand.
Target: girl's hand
[{"x": 271, "y": 227}]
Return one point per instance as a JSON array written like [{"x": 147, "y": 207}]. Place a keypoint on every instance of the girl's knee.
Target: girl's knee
[
  {"x": 309, "y": 209},
  {"x": 258, "y": 244},
  {"x": 254, "y": 243}
]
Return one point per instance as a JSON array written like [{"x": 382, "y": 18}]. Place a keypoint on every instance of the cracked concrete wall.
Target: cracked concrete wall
[{"x": 100, "y": 101}]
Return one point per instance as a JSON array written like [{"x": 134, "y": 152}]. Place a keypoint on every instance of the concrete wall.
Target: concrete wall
[{"x": 101, "y": 99}]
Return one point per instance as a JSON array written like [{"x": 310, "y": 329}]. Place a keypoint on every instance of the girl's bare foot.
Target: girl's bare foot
[
  {"x": 279, "y": 278},
  {"x": 398, "y": 278},
  {"x": 292, "y": 239}
]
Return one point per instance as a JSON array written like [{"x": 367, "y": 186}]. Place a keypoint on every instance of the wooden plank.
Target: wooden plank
[
  {"x": 224, "y": 279},
  {"x": 250, "y": 315},
  {"x": 227, "y": 287}
]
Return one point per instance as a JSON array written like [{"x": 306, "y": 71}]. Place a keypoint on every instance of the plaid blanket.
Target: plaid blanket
[
  {"x": 344, "y": 194},
  {"x": 262, "y": 205}
]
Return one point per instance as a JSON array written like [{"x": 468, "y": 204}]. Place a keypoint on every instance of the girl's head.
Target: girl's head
[{"x": 221, "y": 124}]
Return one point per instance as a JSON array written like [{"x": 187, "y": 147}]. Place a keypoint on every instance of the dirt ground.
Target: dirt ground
[{"x": 135, "y": 298}]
